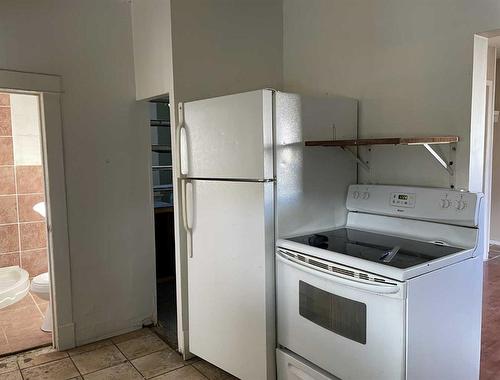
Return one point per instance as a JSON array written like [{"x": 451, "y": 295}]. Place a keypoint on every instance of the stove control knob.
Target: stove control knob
[
  {"x": 355, "y": 195},
  {"x": 445, "y": 203},
  {"x": 460, "y": 205},
  {"x": 366, "y": 195}
]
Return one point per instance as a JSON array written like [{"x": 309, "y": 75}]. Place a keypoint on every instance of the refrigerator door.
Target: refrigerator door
[
  {"x": 228, "y": 137},
  {"x": 312, "y": 182},
  {"x": 231, "y": 276}
]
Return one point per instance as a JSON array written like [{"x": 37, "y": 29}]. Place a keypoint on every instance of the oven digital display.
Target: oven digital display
[{"x": 403, "y": 197}]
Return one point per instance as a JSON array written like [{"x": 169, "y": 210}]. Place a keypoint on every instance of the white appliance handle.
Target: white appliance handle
[
  {"x": 185, "y": 218},
  {"x": 299, "y": 373},
  {"x": 182, "y": 145},
  {"x": 379, "y": 289}
]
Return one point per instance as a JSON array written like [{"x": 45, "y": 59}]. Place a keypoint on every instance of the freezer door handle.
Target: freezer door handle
[
  {"x": 187, "y": 212},
  {"x": 182, "y": 143}
]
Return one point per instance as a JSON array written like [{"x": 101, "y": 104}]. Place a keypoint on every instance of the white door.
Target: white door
[
  {"x": 231, "y": 275},
  {"x": 228, "y": 137}
]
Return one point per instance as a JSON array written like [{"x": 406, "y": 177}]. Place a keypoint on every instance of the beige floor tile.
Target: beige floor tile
[
  {"x": 158, "y": 362},
  {"x": 59, "y": 370},
  {"x": 8, "y": 364},
  {"x": 141, "y": 346},
  {"x": 40, "y": 356},
  {"x": 211, "y": 371},
  {"x": 184, "y": 373},
  {"x": 123, "y": 371},
  {"x": 14, "y": 375},
  {"x": 89, "y": 347},
  {"x": 131, "y": 335},
  {"x": 101, "y": 358}
]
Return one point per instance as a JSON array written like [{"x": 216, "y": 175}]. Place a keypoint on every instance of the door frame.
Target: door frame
[
  {"x": 488, "y": 164},
  {"x": 49, "y": 90}
]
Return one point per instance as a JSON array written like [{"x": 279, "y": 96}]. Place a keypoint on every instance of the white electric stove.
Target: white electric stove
[{"x": 393, "y": 294}]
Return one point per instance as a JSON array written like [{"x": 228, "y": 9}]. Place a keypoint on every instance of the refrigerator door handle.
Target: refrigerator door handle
[
  {"x": 187, "y": 213},
  {"x": 181, "y": 137}
]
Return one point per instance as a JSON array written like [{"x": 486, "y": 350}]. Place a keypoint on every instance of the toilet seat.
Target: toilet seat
[{"x": 40, "y": 283}]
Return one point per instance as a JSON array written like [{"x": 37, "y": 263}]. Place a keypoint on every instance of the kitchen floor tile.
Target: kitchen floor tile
[
  {"x": 8, "y": 364},
  {"x": 98, "y": 359},
  {"x": 40, "y": 356},
  {"x": 212, "y": 372},
  {"x": 158, "y": 363},
  {"x": 131, "y": 335},
  {"x": 123, "y": 371},
  {"x": 184, "y": 373},
  {"x": 141, "y": 346},
  {"x": 58, "y": 370},
  {"x": 90, "y": 347},
  {"x": 14, "y": 375}
]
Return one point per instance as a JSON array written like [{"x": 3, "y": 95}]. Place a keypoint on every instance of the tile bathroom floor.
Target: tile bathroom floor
[
  {"x": 137, "y": 355},
  {"x": 20, "y": 325}
]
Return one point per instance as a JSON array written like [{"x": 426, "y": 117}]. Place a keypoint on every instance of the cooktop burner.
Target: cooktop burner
[{"x": 384, "y": 249}]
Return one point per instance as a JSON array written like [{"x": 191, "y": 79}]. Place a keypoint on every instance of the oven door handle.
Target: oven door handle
[{"x": 372, "y": 288}]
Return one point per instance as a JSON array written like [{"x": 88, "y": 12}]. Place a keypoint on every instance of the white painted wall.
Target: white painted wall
[
  {"x": 225, "y": 46},
  {"x": 152, "y": 47},
  {"x": 408, "y": 62},
  {"x": 106, "y": 137}
]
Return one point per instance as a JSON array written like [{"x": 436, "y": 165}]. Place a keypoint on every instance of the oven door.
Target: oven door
[{"x": 341, "y": 319}]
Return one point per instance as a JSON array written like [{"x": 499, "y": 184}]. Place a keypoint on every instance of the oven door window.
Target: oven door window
[{"x": 340, "y": 315}]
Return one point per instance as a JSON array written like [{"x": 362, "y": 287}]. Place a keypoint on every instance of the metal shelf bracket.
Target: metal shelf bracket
[
  {"x": 364, "y": 164},
  {"x": 446, "y": 162}
]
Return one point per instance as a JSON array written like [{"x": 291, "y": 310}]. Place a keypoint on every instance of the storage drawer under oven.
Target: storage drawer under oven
[{"x": 348, "y": 322}]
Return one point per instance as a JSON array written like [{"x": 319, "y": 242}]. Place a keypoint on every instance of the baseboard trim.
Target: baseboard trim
[{"x": 65, "y": 338}]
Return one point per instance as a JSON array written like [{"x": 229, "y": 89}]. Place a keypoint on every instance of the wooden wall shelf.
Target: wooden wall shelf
[
  {"x": 430, "y": 143},
  {"x": 387, "y": 141}
]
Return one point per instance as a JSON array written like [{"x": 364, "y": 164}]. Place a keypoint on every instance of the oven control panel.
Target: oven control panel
[
  {"x": 403, "y": 199},
  {"x": 423, "y": 203}
]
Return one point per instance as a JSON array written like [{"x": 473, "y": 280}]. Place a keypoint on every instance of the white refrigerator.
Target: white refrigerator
[{"x": 239, "y": 155}]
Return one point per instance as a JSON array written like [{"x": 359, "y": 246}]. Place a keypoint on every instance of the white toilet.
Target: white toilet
[{"x": 40, "y": 285}]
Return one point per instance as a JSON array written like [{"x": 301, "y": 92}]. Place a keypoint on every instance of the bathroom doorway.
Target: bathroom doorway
[
  {"x": 55, "y": 284},
  {"x": 161, "y": 153},
  {"x": 23, "y": 227}
]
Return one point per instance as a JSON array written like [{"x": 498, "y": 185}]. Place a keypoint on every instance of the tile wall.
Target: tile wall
[{"x": 23, "y": 232}]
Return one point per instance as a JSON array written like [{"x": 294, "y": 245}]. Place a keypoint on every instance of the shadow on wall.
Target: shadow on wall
[{"x": 23, "y": 230}]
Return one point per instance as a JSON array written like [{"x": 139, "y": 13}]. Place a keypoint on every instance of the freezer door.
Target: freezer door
[
  {"x": 228, "y": 137},
  {"x": 231, "y": 276}
]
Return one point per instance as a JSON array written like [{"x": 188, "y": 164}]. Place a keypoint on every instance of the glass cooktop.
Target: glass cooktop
[{"x": 384, "y": 249}]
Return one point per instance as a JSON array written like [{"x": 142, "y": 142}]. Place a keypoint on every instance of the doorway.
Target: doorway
[
  {"x": 23, "y": 225},
  {"x": 162, "y": 181},
  {"x": 34, "y": 205}
]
